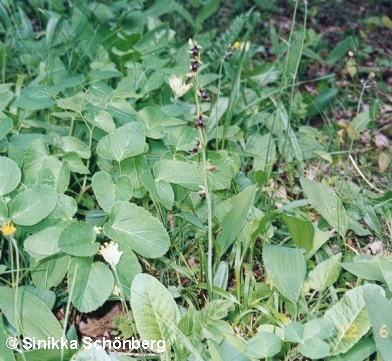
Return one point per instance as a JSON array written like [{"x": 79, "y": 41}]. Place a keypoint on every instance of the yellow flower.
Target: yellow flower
[
  {"x": 8, "y": 229},
  {"x": 110, "y": 253},
  {"x": 236, "y": 45},
  {"x": 178, "y": 87}
]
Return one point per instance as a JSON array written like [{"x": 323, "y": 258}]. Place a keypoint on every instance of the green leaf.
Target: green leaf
[
  {"x": 380, "y": 311},
  {"x": 78, "y": 239},
  {"x": 152, "y": 118},
  {"x": 50, "y": 272},
  {"x": 109, "y": 192},
  {"x": 44, "y": 243},
  {"x": 287, "y": 269},
  {"x": 102, "y": 120},
  {"x": 36, "y": 152},
  {"x": 182, "y": 173},
  {"x": 322, "y": 101},
  {"x": 220, "y": 175},
  {"x": 133, "y": 168},
  {"x": 325, "y": 274},
  {"x": 3, "y": 211},
  {"x": 10, "y": 175},
  {"x": 5, "y": 352},
  {"x": 386, "y": 270},
  {"x": 342, "y": 49},
  {"x": 159, "y": 189},
  {"x": 264, "y": 344},
  {"x": 127, "y": 268},
  {"x": 72, "y": 144},
  {"x": 33, "y": 205},
  {"x": 262, "y": 148},
  {"x": 350, "y": 318},
  {"x": 125, "y": 142},
  {"x": 327, "y": 203},
  {"x": 34, "y": 317},
  {"x": 288, "y": 129},
  {"x": 366, "y": 267},
  {"x": 5, "y": 125},
  {"x": 134, "y": 226},
  {"x": 300, "y": 230},
  {"x": 90, "y": 284},
  {"x": 153, "y": 309},
  {"x": 235, "y": 218},
  {"x": 360, "y": 351}
]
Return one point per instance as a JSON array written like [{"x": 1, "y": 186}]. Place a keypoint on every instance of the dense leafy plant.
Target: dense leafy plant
[{"x": 141, "y": 168}]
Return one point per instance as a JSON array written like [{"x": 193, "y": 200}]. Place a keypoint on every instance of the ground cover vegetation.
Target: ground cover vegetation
[{"x": 212, "y": 176}]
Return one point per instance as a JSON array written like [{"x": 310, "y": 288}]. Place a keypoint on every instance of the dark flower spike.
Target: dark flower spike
[
  {"x": 200, "y": 122},
  {"x": 203, "y": 95},
  {"x": 196, "y": 148},
  {"x": 195, "y": 48}
]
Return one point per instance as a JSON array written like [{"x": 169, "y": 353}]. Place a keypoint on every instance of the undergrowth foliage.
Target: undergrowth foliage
[{"x": 180, "y": 179}]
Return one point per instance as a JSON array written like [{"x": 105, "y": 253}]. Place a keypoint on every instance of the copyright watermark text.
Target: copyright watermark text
[{"x": 51, "y": 343}]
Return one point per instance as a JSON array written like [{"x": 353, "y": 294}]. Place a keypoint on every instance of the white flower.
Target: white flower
[
  {"x": 110, "y": 253},
  {"x": 178, "y": 87},
  {"x": 97, "y": 230}
]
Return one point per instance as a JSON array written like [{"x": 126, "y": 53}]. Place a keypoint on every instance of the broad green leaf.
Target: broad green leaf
[
  {"x": 301, "y": 231},
  {"x": 72, "y": 144},
  {"x": 102, "y": 120},
  {"x": 44, "y": 243},
  {"x": 5, "y": 352},
  {"x": 133, "y": 168},
  {"x": 225, "y": 351},
  {"x": 287, "y": 269},
  {"x": 386, "y": 270},
  {"x": 152, "y": 118},
  {"x": 5, "y": 125},
  {"x": 90, "y": 351},
  {"x": 50, "y": 272},
  {"x": 138, "y": 229},
  {"x": 78, "y": 239},
  {"x": 219, "y": 175},
  {"x": 75, "y": 163},
  {"x": 35, "y": 318},
  {"x": 153, "y": 308},
  {"x": 108, "y": 192},
  {"x": 37, "y": 102},
  {"x": 65, "y": 209},
  {"x": 314, "y": 348},
  {"x": 322, "y": 101},
  {"x": 159, "y": 189},
  {"x": 183, "y": 138},
  {"x": 262, "y": 148},
  {"x": 365, "y": 267},
  {"x": 127, "y": 268},
  {"x": 235, "y": 218},
  {"x": 10, "y": 175},
  {"x": 221, "y": 276},
  {"x": 360, "y": 351},
  {"x": 350, "y": 318},
  {"x": 263, "y": 344},
  {"x": 342, "y": 49},
  {"x": 3, "y": 211},
  {"x": 380, "y": 311},
  {"x": 89, "y": 283},
  {"x": 206, "y": 11},
  {"x": 327, "y": 203},
  {"x": 125, "y": 142},
  {"x": 154, "y": 40},
  {"x": 325, "y": 274},
  {"x": 33, "y": 205},
  {"x": 294, "y": 54},
  {"x": 37, "y": 151},
  {"x": 292, "y": 137},
  {"x": 182, "y": 173}
]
